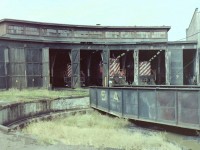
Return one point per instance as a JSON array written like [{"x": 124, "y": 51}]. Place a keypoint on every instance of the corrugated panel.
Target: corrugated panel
[
  {"x": 34, "y": 67},
  {"x": 17, "y": 68}
]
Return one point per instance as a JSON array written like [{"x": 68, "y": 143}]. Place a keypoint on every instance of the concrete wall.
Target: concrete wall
[{"x": 12, "y": 112}]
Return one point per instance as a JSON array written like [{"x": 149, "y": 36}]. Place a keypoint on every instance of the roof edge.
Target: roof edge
[{"x": 85, "y": 26}]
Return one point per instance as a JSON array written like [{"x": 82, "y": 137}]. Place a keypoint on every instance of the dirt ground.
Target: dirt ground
[{"x": 18, "y": 141}]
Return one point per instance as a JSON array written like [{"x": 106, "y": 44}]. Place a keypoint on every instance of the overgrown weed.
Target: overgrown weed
[{"x": 99, "y": 131}]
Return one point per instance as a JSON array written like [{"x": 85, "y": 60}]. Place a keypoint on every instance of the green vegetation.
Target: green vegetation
[
  {"x": 99, "y": 131},
  {"x": 38, "y": 94}
]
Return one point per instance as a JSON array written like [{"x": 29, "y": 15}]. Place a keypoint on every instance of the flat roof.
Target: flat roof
[{"x": 84, "y": 26}]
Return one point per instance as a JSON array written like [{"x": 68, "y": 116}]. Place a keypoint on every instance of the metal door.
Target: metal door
[
  {"x": 34, "y": 67},
  {"x": 3, "y": 68},
  {"x": 17, "y": 68}
]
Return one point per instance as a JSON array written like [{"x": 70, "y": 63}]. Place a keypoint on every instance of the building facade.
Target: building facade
[
  {"x": 35, "y": 54},
  {"x": 193, "y": 32}
]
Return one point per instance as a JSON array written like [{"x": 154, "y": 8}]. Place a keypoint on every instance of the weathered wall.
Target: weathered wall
[
  {"x": 16, "y": 111},
  {"x": 77, "y": 34},
  {"x": 28, "y": 64},
  {"x": 2, "y": 29}
]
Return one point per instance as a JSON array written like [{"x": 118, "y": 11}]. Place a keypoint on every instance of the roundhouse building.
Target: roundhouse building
[{"x": 36, "y": 54}]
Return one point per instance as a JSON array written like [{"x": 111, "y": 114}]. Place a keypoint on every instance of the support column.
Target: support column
[
  {"x": 87, "y": 81},
  {"x": 3, "y": 68},
  {"x": 159, "y": 69},
  {"x": 197, "y": 66},
  {"x": 136, "y": 66},
  {"x": 6, "y": 67},
  {"x": 105, "y": 74},
  {"x": 75, "y": 55},
  {"x": 167, "y": 66},
  {"x": 45, "y": 68}
]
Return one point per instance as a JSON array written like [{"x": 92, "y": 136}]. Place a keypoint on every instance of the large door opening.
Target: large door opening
[
  {"x": 60, "y": 68},
  {"x": 91, "y": 68},
  {"x": 121, "y": 67},
  {"x": 189, "y": 67},
  {"x": 152, "y": 67}
]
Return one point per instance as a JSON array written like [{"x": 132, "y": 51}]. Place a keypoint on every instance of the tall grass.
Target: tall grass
[
  {"x": 99, "y": 131},
  {"x": 36, "y": 94}
]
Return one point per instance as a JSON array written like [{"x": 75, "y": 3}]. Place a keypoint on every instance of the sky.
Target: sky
[{"x": 174, "y": 13}]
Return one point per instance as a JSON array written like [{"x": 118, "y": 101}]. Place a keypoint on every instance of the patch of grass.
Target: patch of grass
[
  {"x": 99, "y": 131},
  {"x": 36, "y": 94}
]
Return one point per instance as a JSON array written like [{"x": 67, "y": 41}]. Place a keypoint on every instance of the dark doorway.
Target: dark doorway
[
  {"x": 60, "y": 65},
  {"x": 91, "y": 68},
  {"x": 189, "y": 67},
  {"x": 152, "y": 67}
]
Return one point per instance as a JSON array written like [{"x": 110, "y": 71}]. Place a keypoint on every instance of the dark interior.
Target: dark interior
[
  {"x": 90, "y": 67},
  {"x": 59, "y": 59},
  {"x": 189, "y": 67},
  {"x": 157, "y": 62}
]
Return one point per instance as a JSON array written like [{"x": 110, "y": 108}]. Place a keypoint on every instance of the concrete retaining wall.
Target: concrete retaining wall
[{"x": 15, "y": 111}]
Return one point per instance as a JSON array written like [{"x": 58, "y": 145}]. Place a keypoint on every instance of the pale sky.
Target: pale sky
[{"x": 174, "y": 13}]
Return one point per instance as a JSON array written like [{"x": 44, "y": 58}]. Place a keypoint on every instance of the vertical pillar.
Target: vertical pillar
[
  {"x": 105, "y": 74},
  {"x": 75, "y": 58},
  {"x": 3, "y": 67},
  {"x": 6, "y": 67},
  {"x": 88, "y": 70},
  {"x": 197, "y": 66},
  {"x": 167, "y": 66},
  {"x": 136, "y": 66},
  {"x": 45, "y": 68},
  {"x": 159, "y": 69}
]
